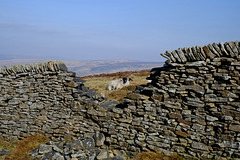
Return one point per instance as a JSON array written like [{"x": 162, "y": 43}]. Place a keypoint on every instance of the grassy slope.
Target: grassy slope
[
  {"x": 100, "y": 82},
  {"x": 20, "y": 149}
]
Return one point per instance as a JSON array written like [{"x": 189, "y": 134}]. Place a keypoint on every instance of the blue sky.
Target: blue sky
[{"x": 113, "y": 29}]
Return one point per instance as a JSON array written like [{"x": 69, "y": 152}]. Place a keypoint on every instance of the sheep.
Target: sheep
[{"x": 119, "y": 83}]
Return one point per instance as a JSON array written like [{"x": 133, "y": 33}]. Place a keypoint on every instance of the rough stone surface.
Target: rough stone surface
[
  {"x": 103, "y": 154},
  {"x": 99, "y": 139},
  {"x": 197, "y": 53},
  {"x": 75, "y": 150},
  {"x": 4, "y": 152}
]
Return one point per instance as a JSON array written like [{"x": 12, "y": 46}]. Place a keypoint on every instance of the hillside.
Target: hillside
[
  {"x": 100, "y": 82},
  {"x": 84, "y": 68}
]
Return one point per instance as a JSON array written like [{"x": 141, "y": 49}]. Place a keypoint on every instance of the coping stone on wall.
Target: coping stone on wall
[
  {"x": 35, "y": 67},
  {"x": 197, "y": 53}
]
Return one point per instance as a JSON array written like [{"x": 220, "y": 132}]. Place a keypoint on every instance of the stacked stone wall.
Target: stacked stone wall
[
  {"x": 191, "y": 107},
  {"x": 46, "y": 98}
]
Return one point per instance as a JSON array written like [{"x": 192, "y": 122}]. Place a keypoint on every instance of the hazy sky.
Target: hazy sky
[{"x": 113, "y": 29}]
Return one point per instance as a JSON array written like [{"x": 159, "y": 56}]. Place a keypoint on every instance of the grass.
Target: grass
[
  {"x": 100, "y": 82},
  {"x": 20, "y": 149},
  {"x": 6, "y": 145},
  {"x": 155, "y": 156}
]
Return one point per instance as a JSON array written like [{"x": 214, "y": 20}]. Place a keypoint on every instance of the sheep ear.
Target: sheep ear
[{"x": 130, "y": 79}]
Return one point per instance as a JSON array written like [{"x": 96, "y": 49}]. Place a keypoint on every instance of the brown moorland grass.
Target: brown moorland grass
[
  {"x": 21, "y": 148},
  {"x": 100, "y": 82},
  {"x": 6, "y": 145},
  {"x": 155, "y": 156}
]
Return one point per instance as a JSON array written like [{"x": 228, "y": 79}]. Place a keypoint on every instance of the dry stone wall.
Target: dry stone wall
[
  {"x": 45, "y": 97},
  {"x": 191, "y": 107}
]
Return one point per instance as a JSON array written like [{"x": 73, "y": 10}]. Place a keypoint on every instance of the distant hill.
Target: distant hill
[{"x": 84, "y": 68}]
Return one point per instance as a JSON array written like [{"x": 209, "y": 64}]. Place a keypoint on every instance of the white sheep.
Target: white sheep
[{"x": 119, "y": 83}]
